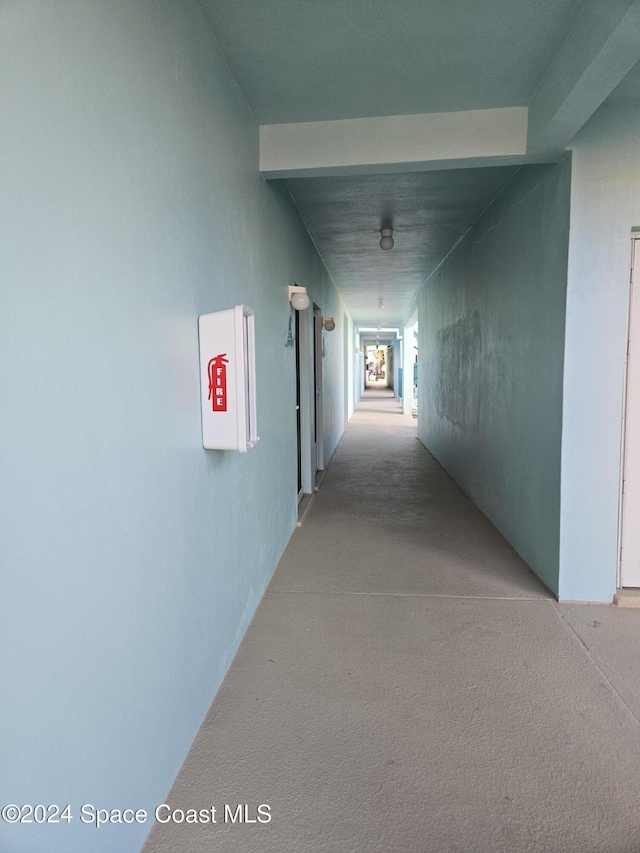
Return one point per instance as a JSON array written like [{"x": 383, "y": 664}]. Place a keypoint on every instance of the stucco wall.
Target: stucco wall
[
  {"x": 132, "y": 559},
  {"x": 491, "y": 338},
  {"x": 605, "y": 206}
]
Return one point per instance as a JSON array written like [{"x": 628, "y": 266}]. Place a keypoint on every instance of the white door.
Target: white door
[{"x": 630, "y": 529}]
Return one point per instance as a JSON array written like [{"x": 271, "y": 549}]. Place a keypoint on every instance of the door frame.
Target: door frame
[
  {"x": 629, "y": 500},
  {"x": 318, "y": 408},
  {"x": 309, "y": 415},
  {"x": 306, "y": 408},
  {"x": 298, "y": 404}
]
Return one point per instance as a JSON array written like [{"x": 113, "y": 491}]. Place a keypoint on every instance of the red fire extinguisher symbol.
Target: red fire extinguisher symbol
[{"x": 217, "y": 372}]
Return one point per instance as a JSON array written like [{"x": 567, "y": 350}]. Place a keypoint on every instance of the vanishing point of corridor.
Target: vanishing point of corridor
[{"x": 408, "y": 685}]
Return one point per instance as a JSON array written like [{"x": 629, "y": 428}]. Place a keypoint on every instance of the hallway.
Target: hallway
[
  {"x": 407, "y": 684},
  {"x": 455, "y": 182}
]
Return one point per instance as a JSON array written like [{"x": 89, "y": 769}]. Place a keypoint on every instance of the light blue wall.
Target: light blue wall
[
  {"x": 605, "y": 205},
  {"x": 132, "y": 560},
  {"x": 491, "y": 337},
  {"x": 349, "y": 347},
  {"x": 333, "y": 369},
  {"x": 333, "y": 373}
]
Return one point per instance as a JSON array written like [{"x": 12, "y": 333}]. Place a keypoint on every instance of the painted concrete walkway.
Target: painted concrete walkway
[{"x": 407, "y": 685}]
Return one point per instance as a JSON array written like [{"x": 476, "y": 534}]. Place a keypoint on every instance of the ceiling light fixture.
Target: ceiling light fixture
[{"x": 386, "y": 238}]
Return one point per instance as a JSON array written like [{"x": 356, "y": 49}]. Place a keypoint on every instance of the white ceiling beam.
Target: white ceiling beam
[
  {"x": 601, "y": 48},
  {"x": 394, "y": 143}
]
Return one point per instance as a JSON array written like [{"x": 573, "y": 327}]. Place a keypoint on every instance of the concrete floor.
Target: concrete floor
[{"x": 408, "y": 685}]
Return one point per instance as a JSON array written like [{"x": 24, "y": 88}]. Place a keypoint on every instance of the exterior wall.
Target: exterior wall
[
  {"x": 605, "y": 205},
  {"x": 491, "y": 338},
  {"x": 334, "y": 380},
  {"x": 348, "y": 336},
  {"x": 132, "y": 559}
]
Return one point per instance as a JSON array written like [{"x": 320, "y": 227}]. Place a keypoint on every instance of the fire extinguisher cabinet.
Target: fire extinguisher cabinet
[{"x": 228, "y": 379}]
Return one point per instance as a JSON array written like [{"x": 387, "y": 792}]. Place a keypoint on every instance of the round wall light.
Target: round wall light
[
  {"x": 328, "y": 323},
  {"x": 386, "y": 239},
  {"x": 299, "y": 297}
]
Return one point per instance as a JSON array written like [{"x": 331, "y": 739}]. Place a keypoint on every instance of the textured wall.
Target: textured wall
[
  {"x": 605, "y": 206},
  {"x": 132, "y": 560},
  {"x": 491, "y": 337}
]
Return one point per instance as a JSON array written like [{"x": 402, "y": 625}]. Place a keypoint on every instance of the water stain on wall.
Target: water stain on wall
[{"x": 457, "y": 368}]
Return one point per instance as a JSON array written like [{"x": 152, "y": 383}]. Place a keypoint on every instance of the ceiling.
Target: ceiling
[
  {"x": 627, "y": 92},
  {"x": 327, "y": 60},
  {"x": 429, "y": 212},
  {"x": 315, "y": 60}
]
